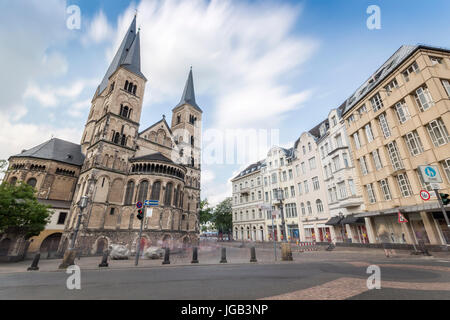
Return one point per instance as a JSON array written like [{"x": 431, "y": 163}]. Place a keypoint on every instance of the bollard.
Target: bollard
[
  {"x": 223, "y": 259},
  {"x": 166, "y": 256},
  {"x": 34, "y": 264},
  {"x": 195, "y": 255},
  {"x": 253, "y": 255},
  {"x": 104, "y": 262}
]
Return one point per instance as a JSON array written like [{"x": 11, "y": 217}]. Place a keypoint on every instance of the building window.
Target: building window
[
  {"x": 394, "y": 155},
  {"x": 351, "y": 119},
  {"x": 62, "y": 217},
  {"x": 369, "y": 133},
  {"x": 316, "y": 185},
  {"x": 308, "y": 205},
  {"x": 292, "y": 191},
  {"x": 312, "y": 163},
  {"x": 156, "y": 190},
  {"x": 300, "y": 188},
  {"x": 435, "y": 60},
  {"x": 274, "y": 178},
  {"x": 377, "y": 159},
  {"x": 32, "y": 182},
  {"x": 129, "y": 193},
  {"x": 376, "y": 102},
  {"x": 142, "y": 193},
  {"x": 446, "y": 85},
  {"x": 401, "y": 109},
  {"x": 403, "y": 184},
  {"x": 438, "y": 132},
  {"x": 390, "y": 86},
  {"x": 342, "y": 190},
  {"x": 336, "y": 163},
  {"x": 362, "y": 110},
  {"x": 423, "y": 98},
  {"x": 305, "y": 183},
  {"x": 363, "y": 165},
  {"x": 356, "y": 140},
  {"x": 370, "y": 193},
  {"x": 446, "y": 166},
  {"x": 413, "y": 142},
  {"x": 303, "y": 168},
  {"x": 384, "y": 186},
  {"x": 302, "y": 206},
  {"x": 351, "y": 185},
  {"x": 291, "y": 174},
  {"x": 345, "y": 158},
  {"x": 319, "y": 206},
  {"x": 413, "y": 68},
  {"x": 384, "y": 125}
]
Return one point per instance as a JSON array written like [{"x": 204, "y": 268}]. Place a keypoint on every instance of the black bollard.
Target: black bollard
[
  {"x": 104, "y": 262},
  {"x": 253, "y": 255},
  {"x": 34, "y": 264},
  {"x": 223, "y": 259},
  {"x": 166, "y": 256},
  {"x": 195, "y": 255}
]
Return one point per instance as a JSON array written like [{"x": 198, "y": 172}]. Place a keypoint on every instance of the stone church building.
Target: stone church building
[{"x": 117, "y": 165}]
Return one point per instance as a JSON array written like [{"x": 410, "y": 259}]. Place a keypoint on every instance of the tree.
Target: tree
[
  {"x": 20, "y": 212},
  {"x": 206, "y": 212},
  {"x": 3, "y": 168},
  {"x": 222, "y": 217}
]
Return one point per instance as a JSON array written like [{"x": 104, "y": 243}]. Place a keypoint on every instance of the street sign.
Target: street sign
[
  {"x": 149, "y": 212},
  {"x": 401, "y": 218},
  {"x": 430, "y": 174},
  {"x": 264, "y": 206},
  {"x": 151, "y": 203},
  {"x": 425, "y": 195},
  {"x": 139, "y": 204}
]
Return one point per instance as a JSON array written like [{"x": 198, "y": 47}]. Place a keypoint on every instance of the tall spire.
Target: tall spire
[
  {"x": 128, "y": 55},
  {"x": 188, "y": 96}
]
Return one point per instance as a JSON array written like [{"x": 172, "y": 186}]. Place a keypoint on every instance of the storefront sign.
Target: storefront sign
[{"x": 425, "y": 195}]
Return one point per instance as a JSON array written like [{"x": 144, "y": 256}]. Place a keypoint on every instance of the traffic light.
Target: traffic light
[
  {"x": 444, "y": 198},
  {"x": 140, "y": 214}
]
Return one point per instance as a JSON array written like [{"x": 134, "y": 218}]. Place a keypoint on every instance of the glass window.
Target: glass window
[
  {"x": 438, "y": 132},
  {"x": 312, "y": 163},
  {"x": 413, "y": 68},
  {"x": 446, "y": 166},
  {"x": 384, "y": 186},
  {"x": 394, "y": 155},
  {"x": 300, "y": 188},
  {"x": 342, "y": 190},
  {"x": 319, "y": 206},
  {"x": 423, "y": 98},
  {"x": 363, "y": 165},
  {"x": 315, "y": 181},
  {"x": 370, "y": 193},
  {"x": 357, "y": 141},
  {"x": 376, "y": 159},
  {"x": 369, "y": 133},
  {"x": 401, "y": 109},
  {"x": 352, "y": 188},
  {"x": 384, "y": 125},
  {"x": 404, "y": 185},
  {"x": 376, "y": 102},
  {"x": 446, "y": 85},
  {"x": 413, "y": 142},
  {"x": 305, "y": 183}
]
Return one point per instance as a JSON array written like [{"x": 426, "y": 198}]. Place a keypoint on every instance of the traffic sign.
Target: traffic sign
[
  {"x": 151, "y": 203},
  {"x": 139, "y": 204},
  {"x": 401, "y": 218},
  {"x": 425, "y": 195},
  {"x": 430, "y": 174}
]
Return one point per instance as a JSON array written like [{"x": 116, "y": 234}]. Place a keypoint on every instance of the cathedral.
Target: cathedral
[{"x": 116, "y": 165}]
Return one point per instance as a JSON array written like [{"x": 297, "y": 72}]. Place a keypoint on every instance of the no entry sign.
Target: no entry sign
[
  {"x": 139, "y": 204},
  {"x": 425, "y": 195}
]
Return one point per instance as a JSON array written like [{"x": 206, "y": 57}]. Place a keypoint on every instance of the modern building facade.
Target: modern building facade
[{"x": 397, "y": 121}]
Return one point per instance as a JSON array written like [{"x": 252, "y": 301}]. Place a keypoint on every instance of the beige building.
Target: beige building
[
  {"x": 116, "y": 165},
  {"x": 248, "y": 220},
  {"x": 398, "y": 120}
]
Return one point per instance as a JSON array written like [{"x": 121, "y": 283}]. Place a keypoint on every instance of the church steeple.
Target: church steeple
[
  {"x": 128, "y": 55},
  {"x": 188, "y": 96}
]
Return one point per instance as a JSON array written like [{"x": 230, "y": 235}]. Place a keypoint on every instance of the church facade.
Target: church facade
[{"x": 118, "y": 165}]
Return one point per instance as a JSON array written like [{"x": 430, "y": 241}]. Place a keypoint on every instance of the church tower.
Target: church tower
[
  {"x": 186, "y": 128},
  {"x": 110, "y": 136}
]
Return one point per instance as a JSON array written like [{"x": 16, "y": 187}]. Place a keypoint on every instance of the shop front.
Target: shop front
[
  {"x": 442, "y": 225},
  {"x": 324, "y": 233},
  {"x": 387, "y": 227},
  {"x": 355, "y": 229},
  {"x": 309, "y": 233},
  {"x": 293, "y": 233}
]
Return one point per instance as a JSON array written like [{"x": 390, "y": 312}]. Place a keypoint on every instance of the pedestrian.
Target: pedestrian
[{"x": 385, "y": 240}]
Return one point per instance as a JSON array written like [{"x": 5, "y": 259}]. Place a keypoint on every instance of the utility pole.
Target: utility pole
[
  {"x": 444, "y": 212},
  {"x": 140, "y": 216},
  {"x": 283, "y": 222}
]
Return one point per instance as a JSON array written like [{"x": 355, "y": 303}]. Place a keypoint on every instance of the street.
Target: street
[{"x": 341, "y": 274}]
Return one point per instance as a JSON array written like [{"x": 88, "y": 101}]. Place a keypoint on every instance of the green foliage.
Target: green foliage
[
  {"x": 3, "y": 166},
  {"x": 20, "y": 212},
  {"x": 222, "y": 217},
  {"x": 206, "y": 212}
]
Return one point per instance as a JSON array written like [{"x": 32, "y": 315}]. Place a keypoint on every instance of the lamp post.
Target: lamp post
[
  {"x": 341, "y": 215},
  {"x": 69, "y": 255},
  {"x": 283, "y": 223}
]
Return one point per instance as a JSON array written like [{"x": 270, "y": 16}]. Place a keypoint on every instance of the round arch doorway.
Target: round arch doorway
[{"x": 50, "y": 245}]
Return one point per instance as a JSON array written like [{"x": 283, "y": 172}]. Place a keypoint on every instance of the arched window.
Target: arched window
[
  {"x": 156, "y": 190},
  {"x": 123, "y": 142},
  {"x": 134, "y": 89},
  {"x": 308, "y": 204},
  {"x": 319, "y": 205},
  {"x": 126, "y": 85},
  {"x": 129, "y": 192},
  {"x": 143, "y": 189},
  {"x": 168, "y": 194},
  {"x": 13, "y": 181},
  {"x": 175, "y": 197},
  {"x": 116, "y": 137},
  {"x": 32, "y": 182},
  {"x": 302, "y": 205}
]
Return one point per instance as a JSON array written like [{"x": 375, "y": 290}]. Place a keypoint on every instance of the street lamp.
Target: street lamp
[
  {"x": 341, "y": 215},
  {"x": 283, "y": 223}
]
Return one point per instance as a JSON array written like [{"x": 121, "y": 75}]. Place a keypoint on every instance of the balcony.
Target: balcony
[{"x": 245, "y": 191}]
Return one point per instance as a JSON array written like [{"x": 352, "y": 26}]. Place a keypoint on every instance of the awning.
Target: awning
[
  {"x": 333, "y": 221},
  {"x": 352, "y": 219}
]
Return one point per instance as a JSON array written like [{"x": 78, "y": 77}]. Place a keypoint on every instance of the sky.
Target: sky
[{"x": 264, "y": 71}]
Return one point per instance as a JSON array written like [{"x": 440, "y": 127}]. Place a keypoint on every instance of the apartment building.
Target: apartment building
[
  {"x": 343, "y": 189},
  {"x": 398, "y": 120},
  {"x": 278, "y": 175},
  {"x": 248, "y": 219},
  {"x": 311, "y": 194}
]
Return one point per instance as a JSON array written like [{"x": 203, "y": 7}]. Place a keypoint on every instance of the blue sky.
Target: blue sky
[{"x": 258, "y": 64}]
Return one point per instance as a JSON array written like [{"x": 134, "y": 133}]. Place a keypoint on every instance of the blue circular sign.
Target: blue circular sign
[
  {"x": 139, "y": 204},
  {"x": 429, "y": 171}
]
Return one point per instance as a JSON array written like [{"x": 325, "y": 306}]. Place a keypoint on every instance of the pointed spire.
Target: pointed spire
[
  {"x": 132, "y": 61},
  {"x": 128, "y": 45},
  {"x": 188, "y": 96}
]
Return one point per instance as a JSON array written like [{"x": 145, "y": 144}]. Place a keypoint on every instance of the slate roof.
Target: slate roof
[
  {"x": 189, "y": 93},
  {"x": 401, "y": 55},
  {"x": 250, "y": 169},
  {"x": 158, "y": 156},
  {"x": 128, "y": 55},
  {"x": 57, "y": 150}
]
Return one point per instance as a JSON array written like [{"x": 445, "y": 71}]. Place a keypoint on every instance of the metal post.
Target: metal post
[
  {"x": 438, "y": 196},
  {"x": 273, "y": 237},
  {"x": 283, "y": 223},
  {"x": 138, "y": 250}
]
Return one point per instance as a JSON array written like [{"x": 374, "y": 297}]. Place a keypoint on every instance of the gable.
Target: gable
[{"x": 158, "y": 133}]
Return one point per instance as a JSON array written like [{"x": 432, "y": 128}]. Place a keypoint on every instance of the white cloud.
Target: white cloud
[
  {"x": 99, "y": 30},
  {"x": 79, "y": 108},
  {"x": 242, "y": 56}
]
